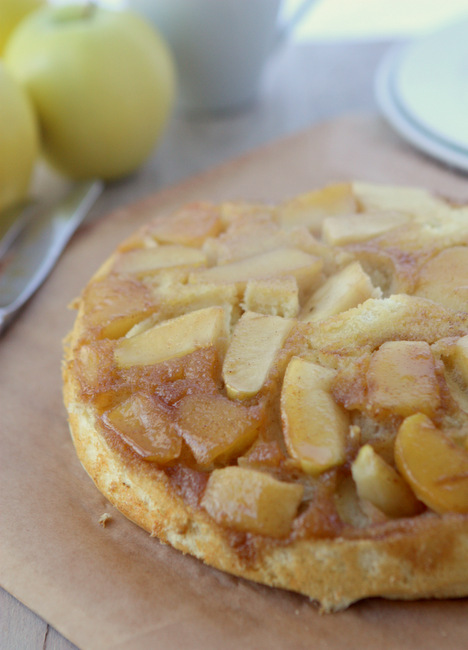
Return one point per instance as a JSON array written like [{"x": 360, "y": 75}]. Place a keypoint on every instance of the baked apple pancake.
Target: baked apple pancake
[{"x": 282, "y": 390}]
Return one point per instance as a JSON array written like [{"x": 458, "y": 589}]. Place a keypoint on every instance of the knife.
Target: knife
[
  {"x": 38, "y": 245},
  {"x": 12, "y": 221}
]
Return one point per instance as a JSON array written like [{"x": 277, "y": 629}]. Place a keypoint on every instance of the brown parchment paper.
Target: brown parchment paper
[{"x": 114, "y": 586}]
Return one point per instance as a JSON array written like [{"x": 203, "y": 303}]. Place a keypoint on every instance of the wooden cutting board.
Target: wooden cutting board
[{"x": 114, "y": 586}]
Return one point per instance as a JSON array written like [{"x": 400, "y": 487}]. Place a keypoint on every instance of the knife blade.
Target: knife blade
[
  {"x": 12, "y": 221},
  {"x": 38, "y": 246}
]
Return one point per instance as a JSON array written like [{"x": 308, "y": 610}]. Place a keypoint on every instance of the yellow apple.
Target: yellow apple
[
  {"x": 102, "y": 83},
  {"x": 12, "y": 12},
  {"x": 19, "y": 143}
]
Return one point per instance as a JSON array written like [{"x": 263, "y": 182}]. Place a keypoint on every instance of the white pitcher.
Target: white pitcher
[{"x": 220, "y": 46}]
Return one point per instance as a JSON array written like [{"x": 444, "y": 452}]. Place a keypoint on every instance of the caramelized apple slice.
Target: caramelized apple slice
[
  {"x": 147, "y": 261},
  {"x": 379, "y": 483},
  {"x": 217, "y": 429},
  {"x": 147, "y": 427},
  {"x": 460, "y": 357},
  {"x": 94, "y": 368},
  {"x": 433, "y": 465},
  {"x": 247, "y": 235},
  {"x": 178, "y": 299},
  {"x": 444, "y": 278},
  {"x": 189, "y": 226},
  {"x": 113, "y": 305},
  {"x": 314, "y": 425},
  {"x": 350, "y": 229},
  {"x": 254, "y": 345},
  {"x": 311, "y": 209},
  {"x": 174, "y": 338},
  {"x": 401, "y": 379},
  {"x": 344, "y": 290},
  {"x": 252, "y": 501},
  {"x": 412, "y": 201},
  {"x": 272, "y": 264}
]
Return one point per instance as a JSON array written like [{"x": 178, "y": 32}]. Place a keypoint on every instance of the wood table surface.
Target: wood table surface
[{"x": 303, "y": 85}]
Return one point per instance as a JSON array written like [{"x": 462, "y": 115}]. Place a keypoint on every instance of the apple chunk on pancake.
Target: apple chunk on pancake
[
  {"x": 315, "y": 426},
  {"x": 250, "y": 500},
  {"x": 216, "y": 428},
  {"x": 147, "y": 427},
  {"x": 255, "y": 344},
  {"x": 174, "y": 338}
]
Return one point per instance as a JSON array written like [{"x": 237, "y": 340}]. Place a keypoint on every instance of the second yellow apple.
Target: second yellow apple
[
  {"x": 19, "y": 142},
  {"x": 12, "y": 12},
  {"x": 102, "y": 84}
]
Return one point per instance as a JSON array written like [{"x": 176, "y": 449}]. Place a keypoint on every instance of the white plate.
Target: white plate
[
  {"x": 404, "y": 123},
  {"x": 431, "y": 83}
]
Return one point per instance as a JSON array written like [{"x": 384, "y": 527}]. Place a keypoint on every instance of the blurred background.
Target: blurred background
[
  {"x": 326, "y": 67},
  {"x": 376, "y": 19}
]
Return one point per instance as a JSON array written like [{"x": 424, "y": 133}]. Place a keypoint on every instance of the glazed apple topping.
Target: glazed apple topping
[
  {"x": 216, "y": 428},
  {"x": 256, "y": 341},
  {"x": 174, "y": 338},
  {"x": 401, "y": 379},
  {"x": 273, "y": 264},
  {"x": 254, "y": 345},
  {"x": 189, "y": 226},
  {"x": 434, "y": 466},
  {"x": 112, "y": 305},
  {"x": 461, "y": 357},
  {"x": 314, "y": 425},
  {"x": 346, "y": 289},
  {"x": 146, "y": 425},
  {"x": 349, "y": 229},
  {"x": 312, "y": 208},
  {"x": 380, "y": 484},
  {"x": 148, "y": 261},
  {"x": 252, "y": 501},
  {"x": 444, "y": 278}
]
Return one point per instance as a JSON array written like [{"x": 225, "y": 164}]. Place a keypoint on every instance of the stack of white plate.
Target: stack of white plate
[{"x": 422, "y": 90}]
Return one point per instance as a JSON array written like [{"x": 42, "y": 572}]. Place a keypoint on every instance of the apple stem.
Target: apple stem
[
  {"x": 83, "y": 11},
  {"x": 89, "y": 8}
]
